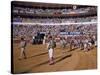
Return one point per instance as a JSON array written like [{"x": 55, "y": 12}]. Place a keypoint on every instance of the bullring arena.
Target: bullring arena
[
  {"x": 37, "y": 59},
  {"x": 34, "y": 21}
]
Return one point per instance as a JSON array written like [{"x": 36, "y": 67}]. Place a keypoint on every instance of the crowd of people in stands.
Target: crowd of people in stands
[
  {"x": 31, "y": 30},
  {"x": 55, "y": 20},
  {"x": 40, "y": 10}
]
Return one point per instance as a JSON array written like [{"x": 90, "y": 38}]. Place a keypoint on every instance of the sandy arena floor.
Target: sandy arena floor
[{"x": 37, "y": 59}]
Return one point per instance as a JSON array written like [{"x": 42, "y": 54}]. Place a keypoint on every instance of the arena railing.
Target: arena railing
[{"x": 27, "y": 23}]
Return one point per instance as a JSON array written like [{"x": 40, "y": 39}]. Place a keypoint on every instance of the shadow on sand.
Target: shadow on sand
[
  {"x": 72, "y": 49},
  {"x": 37, "y": 55},
  {"x": 57, "y": 59}
]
